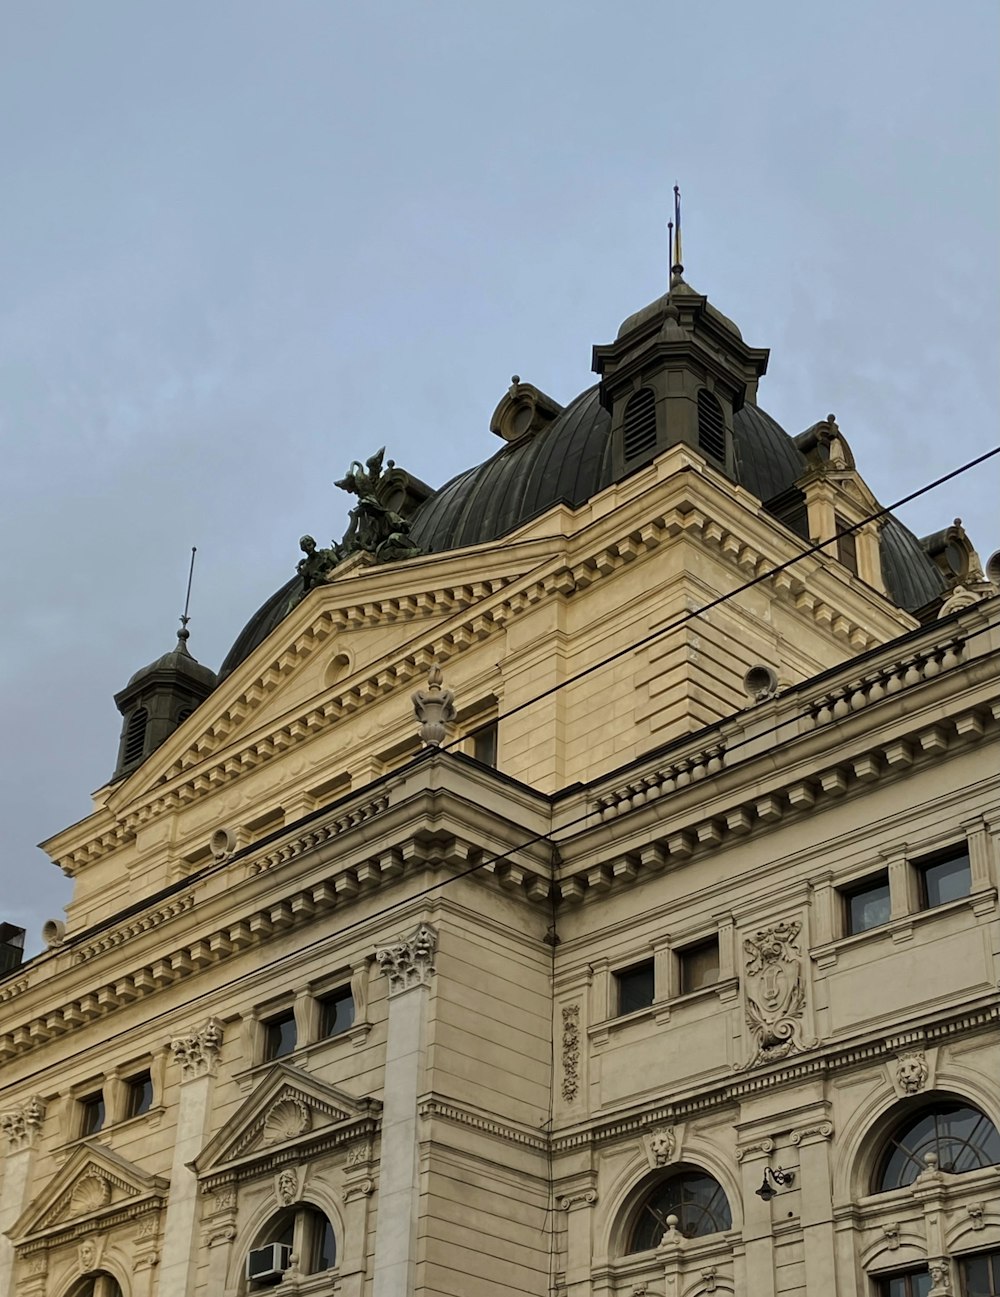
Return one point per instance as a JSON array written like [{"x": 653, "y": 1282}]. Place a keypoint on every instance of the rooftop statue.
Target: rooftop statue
[
  {"x": 374, "y": 527},
  {"x": 317, "y": 564}
]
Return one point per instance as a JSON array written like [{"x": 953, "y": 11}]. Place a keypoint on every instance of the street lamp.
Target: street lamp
[{"x": 765, "y": 1192}]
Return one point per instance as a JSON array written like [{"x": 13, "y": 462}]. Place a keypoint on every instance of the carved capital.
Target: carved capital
[
  {"x": 198, "y": 1054},
  {"x": 409, "y": 961},
  {"x": 807, "y": 1134},
  {"x": 23, "y": 1124},
  {"x": 756, "y": 1148},
  {"x": 581, "y": 1198},
  {"x": 360, "y": 1189}
]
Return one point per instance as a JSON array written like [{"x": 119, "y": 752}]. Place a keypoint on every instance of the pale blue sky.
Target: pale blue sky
[{"x": 242, "y": 243}]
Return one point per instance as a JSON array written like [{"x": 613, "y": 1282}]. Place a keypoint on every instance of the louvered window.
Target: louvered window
[
  {"x": 711, "y": 426},
  {"x": 135, "y": 736},
  {"x": 847, "y": 546},
  {"x": 639, "y": 433}
]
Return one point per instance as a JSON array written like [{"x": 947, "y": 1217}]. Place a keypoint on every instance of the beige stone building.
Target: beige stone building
[{"x": 671, "y": 971}]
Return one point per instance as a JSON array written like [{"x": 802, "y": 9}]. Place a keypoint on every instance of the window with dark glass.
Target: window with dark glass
[
  {"x": 279, "y": 1035},
  {"x": 867, "y": 905},
  {"x": 911, "y": 1283},
  {"x": 634, "y": 988},
  {"x": 336, "y": 1012},
  {"x": 980, "y": 1275},
  {"x": 91, "y": 1113},
  {"x": 101, "y": 1284},
  {"x": 639, "y": 427},
  {"x": 484, "y": 744},
  {"x": 847, "y": 547},
  {"x": 302, "y": 1231},
  {"x": 138, "y": 1095},
  {"x": 699, "y": 965},
  {"x": 959, "y": 1136},
  {"x": 945, "y": 876},
  {"x": 696, "y": 1199}
]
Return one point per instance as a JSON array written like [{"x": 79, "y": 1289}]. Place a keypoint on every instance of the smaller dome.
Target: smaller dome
[
  {"x": 180, "y": 662},
  {"x": 679, "y": 290}
]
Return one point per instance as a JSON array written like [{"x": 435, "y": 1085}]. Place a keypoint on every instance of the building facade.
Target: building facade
[{"x": 579, "y": 881}]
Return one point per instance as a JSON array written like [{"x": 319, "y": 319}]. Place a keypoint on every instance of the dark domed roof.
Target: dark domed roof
[
  {"x": 179, "y": 662},
  {"x": 568, "y": 462}
]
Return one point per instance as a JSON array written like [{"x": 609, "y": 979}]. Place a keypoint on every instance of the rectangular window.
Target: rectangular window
[
  {"x": 138, "y": 1095},
  {"x": 91, "y": 1113},
  {"x": 980, "y": 1275},
  {"x": 336, "y": 1012},
  {"x": 484, "y": 744},
  {"x": 915, "y": 1283},
  {"x": 634, "y": 988},
  {"x": 847, "y": 546},
  {"x": 279, "y": 1035},
  {"x": 867, "y": 905},
  {"x": 945, "y": 876},
  {"x": 699, "y": 965}
]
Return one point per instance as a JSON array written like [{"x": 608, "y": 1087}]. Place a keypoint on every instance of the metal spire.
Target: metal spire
[
  {"x": 183, "y": 633},
  {"x": 677, "y": 267}
]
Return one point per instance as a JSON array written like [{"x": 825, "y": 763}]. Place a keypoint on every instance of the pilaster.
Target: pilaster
[
  {"x": 197, "y": 1056},
  {"x": 408, "y": 964},
  {"x": 21, "y": 1127}
]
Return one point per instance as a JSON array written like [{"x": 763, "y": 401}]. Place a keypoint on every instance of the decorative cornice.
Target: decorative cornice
[
  {"x": 437, "y": 1109},
  {"x": 144, "y": 923},
  {"x": 268, "y": 1160},
  {"x": 324, "y": 832}
]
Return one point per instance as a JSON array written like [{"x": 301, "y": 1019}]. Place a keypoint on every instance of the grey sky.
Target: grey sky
[{"x": 242, "y": 243}]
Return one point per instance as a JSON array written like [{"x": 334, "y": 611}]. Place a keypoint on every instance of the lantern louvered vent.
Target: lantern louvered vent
[
  {"x": 639, "y": 431},
  {"x": 711, "y": 426},
  {"x": 135, "y": 736}
]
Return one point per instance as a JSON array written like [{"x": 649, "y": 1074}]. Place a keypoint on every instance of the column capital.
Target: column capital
[
  {"x": 198, "y": 1052},
  {"x": 22, "y": 1124},
  {"x": 409, "y": 961}
]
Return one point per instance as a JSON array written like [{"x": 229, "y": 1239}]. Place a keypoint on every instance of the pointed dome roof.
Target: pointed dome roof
[{"x": 177, "y": 662}]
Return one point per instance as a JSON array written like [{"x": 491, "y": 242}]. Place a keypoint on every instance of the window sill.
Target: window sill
[
  {"x": 152, "y": 1117},
  {"x": 661, "y": 1010},
  {"x": 900, "y": 930},
  {"x": 357, "y": 1035}
]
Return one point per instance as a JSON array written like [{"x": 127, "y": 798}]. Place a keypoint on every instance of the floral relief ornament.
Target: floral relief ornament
[
  {"x": 410, "y": 960},
  {"x": 775, "y": 993},
  {"x": 198, "y": 1053},
  {"x": 571, "y": 1051}
]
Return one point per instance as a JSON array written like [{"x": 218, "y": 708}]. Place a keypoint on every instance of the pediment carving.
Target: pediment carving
[
  {"x": 93, "y": 1182},
  {"x": 289, "y": 1107}
]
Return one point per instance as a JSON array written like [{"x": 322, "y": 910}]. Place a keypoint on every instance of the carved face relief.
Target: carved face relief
[
  {"x": 661, "y": 1145},
  {"x": 288, "y": 1187},
  {"x": 911, "y": 1071},
  {"x": 88, "y": 1255}
]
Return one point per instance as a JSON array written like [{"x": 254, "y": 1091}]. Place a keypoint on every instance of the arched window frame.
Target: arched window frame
[
  {"x": 897, "y": 1135},
  {"x": 305, "y": 1227},
  {"x": 650, "y": 1187},
  {"x": 102, "y": 1283}
]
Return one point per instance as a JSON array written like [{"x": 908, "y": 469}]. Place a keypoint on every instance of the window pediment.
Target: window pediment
[
  {"x": 289, "y": 1107},
  {"x": 95, "y": 1187}
]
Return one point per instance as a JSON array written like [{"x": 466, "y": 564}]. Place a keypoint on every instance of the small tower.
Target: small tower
[{"x": 157, "y": 700}]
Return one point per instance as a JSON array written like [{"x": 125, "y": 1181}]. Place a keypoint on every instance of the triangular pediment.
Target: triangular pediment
[
  {"x": 94, "y": 1181},
  {"x": 288, "y": 1107}
]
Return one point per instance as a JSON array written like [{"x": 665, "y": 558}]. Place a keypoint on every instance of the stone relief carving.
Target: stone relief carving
[
  {"x": 22, "y": 1125},
  {"x": 775, "y": 993},
  {"x": 286, "y": 1119},
  {"x": 198, "y": 1053},
  {"x": 911, "y": 1071},
  {"x": 90, "y": 1193},
  {"x": 940, "y": 1269},
  {"x": 89, "y": 1254},
  {"x": 662, "y": 1145},
  {"x": 434, "y": 708},
  {"x": 287, "y": 1187},
  {"x": 410, "y": 960},
  {"x": 570, "y": 1051}
]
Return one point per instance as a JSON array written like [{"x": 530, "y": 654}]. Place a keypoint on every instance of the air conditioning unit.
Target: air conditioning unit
[{"x": 269, "y": 1262}]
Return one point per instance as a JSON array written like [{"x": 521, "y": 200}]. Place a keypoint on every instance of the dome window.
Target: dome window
[
  {"x": 711, "y": 426},
  {"x": 135, "y": 736},
  {"x": 639, "y": 428}
]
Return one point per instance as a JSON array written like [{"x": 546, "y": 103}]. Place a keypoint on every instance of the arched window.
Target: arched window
[
  {"x": 303, "y": 1232},
  {"x": 135, "y": 736},
  {"x": 100, "y": 1284},
  {"x": 959, "y": 1136},
  {"x": 711, "y": 425},
  {"x": 694, "y": 1197},
  {"x": 639, "y": 428}
]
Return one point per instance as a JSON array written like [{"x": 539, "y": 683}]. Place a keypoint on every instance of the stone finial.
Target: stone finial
[
  {"x": 434, "y": 708},
  {"x": 22, "y": 1125},
  {"x": 198, "y": 1053},
  {"x": 410, "y": 960}
]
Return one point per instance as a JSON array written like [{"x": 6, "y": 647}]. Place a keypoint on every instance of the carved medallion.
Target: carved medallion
[{"x": 775, "y": 993}]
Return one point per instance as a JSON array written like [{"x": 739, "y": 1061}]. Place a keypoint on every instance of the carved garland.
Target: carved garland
[{"x": 570, "y": 1051}]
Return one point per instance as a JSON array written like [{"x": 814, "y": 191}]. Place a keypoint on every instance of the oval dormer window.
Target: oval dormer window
[
  {"x": 711, "y": 426},
  {"x": 639, "y": 428},
  {"x": 135, "y": 736}
]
